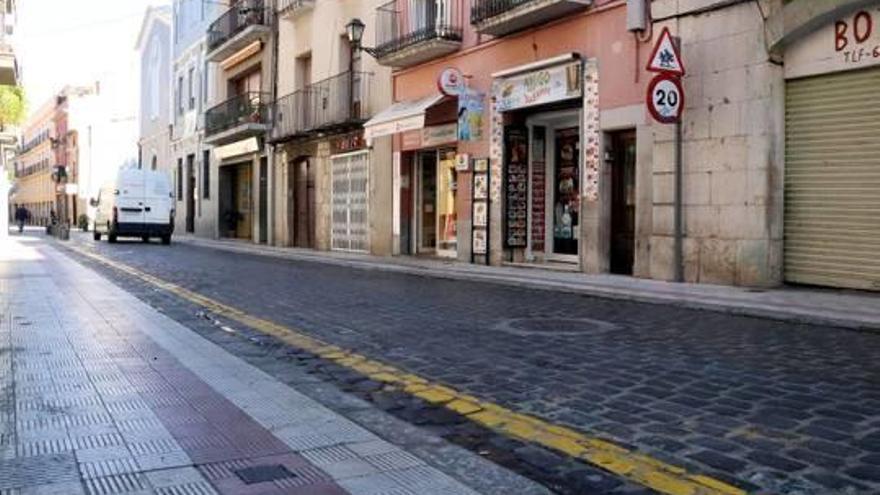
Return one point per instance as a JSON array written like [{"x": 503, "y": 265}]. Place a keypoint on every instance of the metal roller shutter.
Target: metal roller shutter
[
  {"x": 832, "y": 180},
  {"x": 350, "y": 195}
]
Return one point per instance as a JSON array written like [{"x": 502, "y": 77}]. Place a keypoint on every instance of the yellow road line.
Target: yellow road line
[{"x": 639, "y": 468}]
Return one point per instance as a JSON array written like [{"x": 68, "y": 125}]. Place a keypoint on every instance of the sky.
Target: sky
[{"x": 61, "y": 42}]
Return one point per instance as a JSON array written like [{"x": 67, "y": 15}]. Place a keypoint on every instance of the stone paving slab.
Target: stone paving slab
[{"x": 109, "y": 396}]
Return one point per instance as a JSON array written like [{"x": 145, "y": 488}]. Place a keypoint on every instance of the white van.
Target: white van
[{"x": 138, "y": 203}]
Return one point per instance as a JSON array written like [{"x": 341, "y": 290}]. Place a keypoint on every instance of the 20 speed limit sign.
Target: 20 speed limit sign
[{"x": 665, "y": 98}]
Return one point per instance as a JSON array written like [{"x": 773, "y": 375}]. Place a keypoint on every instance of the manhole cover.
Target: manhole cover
[
  {"x": 262, "y": 474},
  {"x": 555, "y": 326}
]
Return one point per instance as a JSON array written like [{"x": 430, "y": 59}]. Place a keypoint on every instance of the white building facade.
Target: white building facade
[
  {"x": 190, "y": 92},
  {"x": 154, "y": 109}
]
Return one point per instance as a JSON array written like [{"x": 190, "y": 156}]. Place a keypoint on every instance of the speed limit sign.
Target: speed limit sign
[{"x": 665, "y": 98}]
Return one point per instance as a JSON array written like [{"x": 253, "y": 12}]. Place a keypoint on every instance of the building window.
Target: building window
[
  {"x": 180, "y": 179},
  {"x": 155, "y": 80},
  {"x": 180, "y": 95},
  {"x": 205, "y": 84},
  {"x": 192, "y": 88},
  {"x": 206, "y": 174},
  {"x": 154, "y": 164}
]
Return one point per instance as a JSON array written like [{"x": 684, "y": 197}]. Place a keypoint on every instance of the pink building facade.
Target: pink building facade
[{"x": 534, "y": 157}]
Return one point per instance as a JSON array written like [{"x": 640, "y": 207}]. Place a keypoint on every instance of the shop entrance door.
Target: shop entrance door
[
  {"x": 554, "y": 186},
  {"x": 264, "y": 200},
  {"x": 436, "y": 218},
  {"x": 565, "y": 191},
  {"x": 426, "y": 203},
  {"x": 235, "y": 201},
  {"x": 302, "y": 223},
  {"x": 350, "y": 230},
  {"x": 190, "y": 193},
  {"x": 623, "y": 201}
]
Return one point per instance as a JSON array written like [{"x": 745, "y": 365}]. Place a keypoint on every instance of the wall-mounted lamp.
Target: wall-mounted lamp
[{"x": 355, "y": 31}]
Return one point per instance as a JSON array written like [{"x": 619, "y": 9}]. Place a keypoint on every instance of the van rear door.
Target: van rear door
[
  {"x": 157, "y": 199},
  {"x": 130, "y": 197}
]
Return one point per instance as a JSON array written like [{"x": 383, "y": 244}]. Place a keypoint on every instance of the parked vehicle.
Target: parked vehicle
[{"x": 138, "y": 203}]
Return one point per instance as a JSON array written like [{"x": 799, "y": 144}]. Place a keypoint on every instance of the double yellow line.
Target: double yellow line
[{"x": 635, "y": 467}]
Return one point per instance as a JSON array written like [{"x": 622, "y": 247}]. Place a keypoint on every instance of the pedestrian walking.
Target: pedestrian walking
[{"x": 21, "y": 216}]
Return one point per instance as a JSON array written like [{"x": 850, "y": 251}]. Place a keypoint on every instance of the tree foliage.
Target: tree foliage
[{"x": 12, "y": 105}]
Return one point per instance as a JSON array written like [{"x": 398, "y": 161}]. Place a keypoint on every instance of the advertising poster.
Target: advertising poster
[
  {"x": 479, "y": 246},
  {"x": 481, "y": 186},
  {"x": 481, "y": 214},
  {"x": 470, "y": 116}
]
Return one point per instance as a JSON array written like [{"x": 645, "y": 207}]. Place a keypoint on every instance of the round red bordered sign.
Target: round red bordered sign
[
  {"x": 450, "y": 82},
  {"x": 665, "y": 98}
]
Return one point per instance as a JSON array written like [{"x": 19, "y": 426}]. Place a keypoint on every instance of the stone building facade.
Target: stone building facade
[{"x": 779, "y": 172}]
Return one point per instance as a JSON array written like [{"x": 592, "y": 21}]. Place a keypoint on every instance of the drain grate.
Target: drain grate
[{"x": 261, "y": 474}]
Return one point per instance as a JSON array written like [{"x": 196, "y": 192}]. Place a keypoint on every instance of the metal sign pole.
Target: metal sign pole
[
  {"x": 679, "y": 234},
  {"x": 679, "y": 254}
]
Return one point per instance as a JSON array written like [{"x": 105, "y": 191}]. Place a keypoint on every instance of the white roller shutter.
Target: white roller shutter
[
  {"x": 832, "y": 180},
  {"x": 350, "y": 229}
]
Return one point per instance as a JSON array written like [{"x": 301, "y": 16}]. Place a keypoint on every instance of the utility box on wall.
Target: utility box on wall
[{"x": 636, "y": 15}]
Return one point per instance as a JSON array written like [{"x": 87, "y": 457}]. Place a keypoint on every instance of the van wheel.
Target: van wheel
[
  {"x": 111, "y": 238},
  {"x": 166, "y": 239},
  {"x": 96, "y": 235}
]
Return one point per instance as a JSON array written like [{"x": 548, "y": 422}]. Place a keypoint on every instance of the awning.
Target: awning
[{"x": 400, "y": 117}]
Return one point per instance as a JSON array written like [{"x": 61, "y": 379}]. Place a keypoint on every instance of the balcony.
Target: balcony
[
  {"x": 8, "y": 66},
  {"x": 501, "y": 17},
  {"x": 337, "y": 104},
  {"x": 410, "y": 32},
  {"x": 291, "y": 9},
  {"x": 243, "y": 116},
  {"x": 246, "y": 22}
]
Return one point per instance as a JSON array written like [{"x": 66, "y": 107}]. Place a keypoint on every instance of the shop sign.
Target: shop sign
[
  {"x": 348, "y": 143},
  {"x": 411, "y": 140},
  {"x": 243, "y": 147},
  {"x": 470, "y": 116},
  {"x": 850, "y": 42},
  {"x": 451, "y": 82},
  {"x": 548, "y": 85},
  {"x": 439, "y": 134}
]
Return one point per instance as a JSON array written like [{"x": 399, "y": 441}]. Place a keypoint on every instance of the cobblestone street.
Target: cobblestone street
[{"x": 767, "y": 406}]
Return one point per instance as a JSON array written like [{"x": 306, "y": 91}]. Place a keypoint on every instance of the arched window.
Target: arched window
[{"x": 153, "y": 164}]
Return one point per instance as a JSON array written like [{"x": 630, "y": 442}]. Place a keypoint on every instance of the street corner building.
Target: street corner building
[{"x": 511, "y": 132}]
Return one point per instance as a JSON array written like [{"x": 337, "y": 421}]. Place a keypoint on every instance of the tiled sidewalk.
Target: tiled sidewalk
[{"x": 101, "y": 394}]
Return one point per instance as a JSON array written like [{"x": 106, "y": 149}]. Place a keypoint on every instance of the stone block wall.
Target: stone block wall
[{"x": 732, "y": 149}]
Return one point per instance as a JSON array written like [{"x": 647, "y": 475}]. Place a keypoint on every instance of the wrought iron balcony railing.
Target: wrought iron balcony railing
[
  {"x": 243, "y": 109},
  {"x": 401, "y": 24},
  {"x": 338, "y": 101},
  {"x": 242, "y": 15},
  {"x": 501, "y": 17},
  {"x": 486, "y": 9}
]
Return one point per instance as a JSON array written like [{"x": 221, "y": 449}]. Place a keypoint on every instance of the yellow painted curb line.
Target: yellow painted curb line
[{"x": 638, "y": 468}]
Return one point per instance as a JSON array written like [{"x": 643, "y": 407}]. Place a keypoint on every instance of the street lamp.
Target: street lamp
[{"x": 355, "y": 29}]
